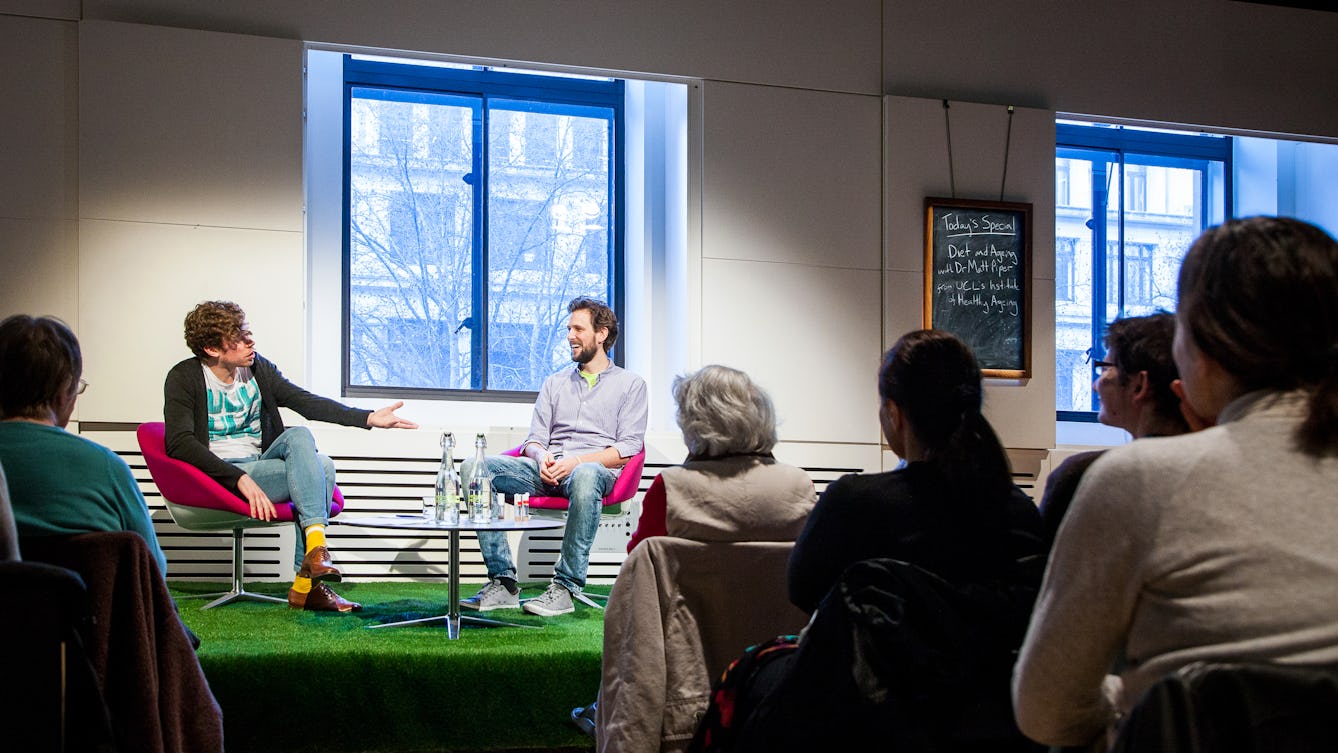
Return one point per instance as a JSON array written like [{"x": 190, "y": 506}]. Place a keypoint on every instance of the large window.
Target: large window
[
  {"x": 1128, "y": 204},
  {"x": 478, "y": 203}
]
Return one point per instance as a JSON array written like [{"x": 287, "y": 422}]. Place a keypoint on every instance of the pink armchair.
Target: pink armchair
[
  {"x": 199, "y": 503},
  {"x": 624, "y": 488}
]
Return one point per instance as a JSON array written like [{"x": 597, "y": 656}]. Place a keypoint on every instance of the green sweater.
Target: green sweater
[{"x": 62, "y": 484}]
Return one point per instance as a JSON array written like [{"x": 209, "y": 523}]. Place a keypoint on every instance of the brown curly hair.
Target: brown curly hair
[{"x": 215, "y": 324}]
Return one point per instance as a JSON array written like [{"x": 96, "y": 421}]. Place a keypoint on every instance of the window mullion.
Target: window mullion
[
  {"x": 478, "y": 346},
  {"x": 1119, "y": 233}
]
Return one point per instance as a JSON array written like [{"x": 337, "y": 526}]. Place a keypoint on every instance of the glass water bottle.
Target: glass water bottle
[
  {"x": 480, "y": 485},
  {"x": 447, "y": 500}
]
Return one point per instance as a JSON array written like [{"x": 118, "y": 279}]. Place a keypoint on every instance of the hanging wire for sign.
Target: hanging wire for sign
[
  {"x": 947, "y": 124},
  {"x": 1008, "y": 141}
]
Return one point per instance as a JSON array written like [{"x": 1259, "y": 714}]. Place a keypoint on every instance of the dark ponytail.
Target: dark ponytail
[
  {"x": 935, "y": 381},
  {"x": 1260, "y": 297}
]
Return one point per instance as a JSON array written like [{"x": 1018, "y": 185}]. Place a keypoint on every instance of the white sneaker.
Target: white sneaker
[
  {"x": 493, "y": 595},
  {"x": 554, "y": 601}
]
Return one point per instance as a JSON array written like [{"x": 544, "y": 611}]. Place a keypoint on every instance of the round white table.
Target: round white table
[{"x": 452, "y": 617}]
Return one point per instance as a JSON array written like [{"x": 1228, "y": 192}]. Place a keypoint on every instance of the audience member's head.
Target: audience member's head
[
  {"x": 1258, "y": 310},
  {"x": 930, "y": 385},
  {"x": 601, "y": 317},
  {"x": 722, "y": 412},
  {"x": 1136, "y": 392},
  {"x": 215, "y": 324},
  {"x": 40, "y": 369}
]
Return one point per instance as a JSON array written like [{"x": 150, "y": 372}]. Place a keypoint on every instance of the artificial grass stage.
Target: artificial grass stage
[{"x": 291, "y": 681}]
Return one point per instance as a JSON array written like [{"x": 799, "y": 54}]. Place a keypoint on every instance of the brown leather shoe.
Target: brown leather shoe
[
  {"x": 317, "y": 566},
  {"x": 321, "y": 599}
]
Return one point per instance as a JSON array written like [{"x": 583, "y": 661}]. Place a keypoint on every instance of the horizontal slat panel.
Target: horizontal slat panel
[{"x": 395, "y": 484}]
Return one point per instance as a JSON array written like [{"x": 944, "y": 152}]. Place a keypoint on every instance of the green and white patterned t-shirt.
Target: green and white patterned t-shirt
[{"x": 234, "y": 414}]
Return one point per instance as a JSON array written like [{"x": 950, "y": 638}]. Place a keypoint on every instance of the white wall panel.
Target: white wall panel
[
  {"x": 40, "y": 263},
  {"x": 918, "y": 166},
  {"x": 58, "y": 9},
  {"x": 1205, "y": 62},
  {"x": 37, "y": 143},
  {"x": 137, "y": 282},
  {"x": 188, "y": 127},
  {"x": 808, "y": 335},
  {"x": 789, "y": 43},
  {"x": 791, "y": 176},
  {"x": 904, "y": 308}
]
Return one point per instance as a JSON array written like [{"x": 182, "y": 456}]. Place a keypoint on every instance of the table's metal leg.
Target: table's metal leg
[
  {"x": 407, "y": 622},
  {"x": 453, "y": 611},
  {"x": 453, "y": 617}
]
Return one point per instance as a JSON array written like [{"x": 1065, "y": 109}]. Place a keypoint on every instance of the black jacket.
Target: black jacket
[
  {"x": 899, "y": 659},
  {"x": 186, "y": 414},
  {"x": 1236, "y": 708}
]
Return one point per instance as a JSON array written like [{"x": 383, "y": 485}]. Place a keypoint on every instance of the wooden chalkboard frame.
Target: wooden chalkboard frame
[{"x": 1019, "y": 368}]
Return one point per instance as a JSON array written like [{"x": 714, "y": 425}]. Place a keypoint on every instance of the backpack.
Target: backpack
[{"x": 734, "y": 696}]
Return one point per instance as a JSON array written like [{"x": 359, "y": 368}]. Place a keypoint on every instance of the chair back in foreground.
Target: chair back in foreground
[
  {"x": 1236, "y": 708},
  {"x": 199, "y": 503},
  {"x": 624, "y": 488},
  {"x": 156, "y": 692},
  {"x": 679, "y": 613},
  {"x": 9, "y": 537},
  {"x": 50, "y": 699}
]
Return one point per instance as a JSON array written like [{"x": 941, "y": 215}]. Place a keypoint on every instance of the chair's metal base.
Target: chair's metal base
[
  {"x": 454, "y": 621},
  {"x": 238, "y": 591},
  {"x": 588, "y": 599},
  {"x": 227, "y": 597}
]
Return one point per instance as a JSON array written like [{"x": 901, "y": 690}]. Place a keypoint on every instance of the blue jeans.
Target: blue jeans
[
  {"x": 584, "y": 489},
  {"x": 292, "y": 470}
]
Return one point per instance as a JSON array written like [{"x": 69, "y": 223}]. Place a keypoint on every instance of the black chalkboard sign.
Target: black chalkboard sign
[{"x": 977, "y": 262}]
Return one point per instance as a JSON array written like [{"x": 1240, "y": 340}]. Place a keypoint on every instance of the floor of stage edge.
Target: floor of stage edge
[{"x": 394, "y": 690}]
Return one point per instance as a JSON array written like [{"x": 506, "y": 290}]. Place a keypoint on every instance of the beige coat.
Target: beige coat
[{"x": 686, "y": 605}]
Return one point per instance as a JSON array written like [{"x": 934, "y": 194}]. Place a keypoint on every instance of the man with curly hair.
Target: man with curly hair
[
  {"x": 221, "y": 409},
  {"x": 587, "y": 422}
]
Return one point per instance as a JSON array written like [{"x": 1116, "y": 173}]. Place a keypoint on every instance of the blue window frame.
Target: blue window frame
[
  {"x": 1132, "y": 202},
  {"x": 477, "y": 203}
]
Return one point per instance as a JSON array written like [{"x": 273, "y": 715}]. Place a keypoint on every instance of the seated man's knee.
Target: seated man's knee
[
  {"x": 587, "y": 484},
  {"x": 299, "y": 436},
  {"x": 587, "y": 473}
]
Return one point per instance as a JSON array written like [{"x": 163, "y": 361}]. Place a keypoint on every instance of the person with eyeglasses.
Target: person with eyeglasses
[
  {"x": 1136, "y": 386},
  {"x": 221, "y": 415},
  {"x": 1218, "y": 545},
  {"x": 59, "y": 483}
]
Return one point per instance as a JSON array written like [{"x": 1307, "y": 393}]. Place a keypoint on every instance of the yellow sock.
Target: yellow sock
[
  {"x": 302, "y": 585},
  {"x": 315, "y": 536}
]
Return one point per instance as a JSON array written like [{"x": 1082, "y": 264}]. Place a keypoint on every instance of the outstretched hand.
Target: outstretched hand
[{"x": 385, "y": 418}]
